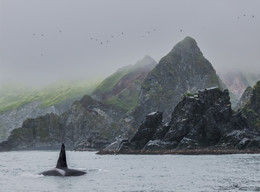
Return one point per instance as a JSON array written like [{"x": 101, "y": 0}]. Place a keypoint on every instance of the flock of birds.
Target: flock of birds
[
  {"x": 100, "y": 41},
  {"x": 244, "y": 15},
  {"x": 123, "y": 34}
]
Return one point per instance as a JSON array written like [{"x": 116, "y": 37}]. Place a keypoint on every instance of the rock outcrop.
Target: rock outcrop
[
  {"x": 89, "y": 124},
  {"x": 14, "y": 118},
  {"x": 201, "y": 123},
  {"x": 184, "y": 69},
  {"x": 252, "y": 108}
]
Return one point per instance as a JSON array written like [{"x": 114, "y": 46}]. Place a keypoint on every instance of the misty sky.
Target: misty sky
[{"x": 42, "y": 41}]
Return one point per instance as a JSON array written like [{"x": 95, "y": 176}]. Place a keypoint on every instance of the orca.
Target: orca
[{"x": 61, "y": 168}]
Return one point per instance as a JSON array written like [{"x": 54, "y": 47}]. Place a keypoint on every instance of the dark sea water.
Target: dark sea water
[{"x": 142, "y": 173}]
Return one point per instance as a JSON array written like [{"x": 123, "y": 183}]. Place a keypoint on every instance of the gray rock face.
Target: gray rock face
[
  {"x": 144, "y": 134},
  {"x": 199, "y": 121},
  {"x": 13, "y": 119},
  {"x": 244, "y": 98},
  {"x": 88, "y": 123},
  {"x": 252, "y": 108},
  {"x": 183, "y": 70}
]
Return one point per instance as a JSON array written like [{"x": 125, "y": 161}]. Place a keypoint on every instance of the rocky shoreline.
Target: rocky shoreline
[
  {"x": 202, "y": 123},
  {"x": 186, "y": 152}
]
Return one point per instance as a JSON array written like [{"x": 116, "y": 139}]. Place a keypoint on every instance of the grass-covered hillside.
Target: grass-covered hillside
[
  {"x": 121, "y": 89},
  {"x": 14, "y": 95}
]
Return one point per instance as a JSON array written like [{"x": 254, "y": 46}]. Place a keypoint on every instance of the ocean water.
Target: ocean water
[{"x": 139, "y": 173}]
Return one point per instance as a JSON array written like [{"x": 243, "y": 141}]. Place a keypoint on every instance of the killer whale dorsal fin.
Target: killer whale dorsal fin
[{"x": 62, "y": 163}]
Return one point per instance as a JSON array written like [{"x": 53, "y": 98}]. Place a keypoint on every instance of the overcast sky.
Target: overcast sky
[{"x": 49, "y": 40}]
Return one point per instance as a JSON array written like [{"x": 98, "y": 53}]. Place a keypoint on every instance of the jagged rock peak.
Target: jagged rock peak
[
  {"x": 187, "y": 42},
  {"x": 184, "y": 69},
  {"x": 187, "y": 46}
]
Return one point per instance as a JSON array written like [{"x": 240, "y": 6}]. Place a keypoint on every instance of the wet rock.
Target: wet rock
[
  {"x": 144, "y": 133},
  {"x": 201, "y": 121}
]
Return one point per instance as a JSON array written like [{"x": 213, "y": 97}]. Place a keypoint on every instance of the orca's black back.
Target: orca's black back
[{"x": 62, "y": 163}]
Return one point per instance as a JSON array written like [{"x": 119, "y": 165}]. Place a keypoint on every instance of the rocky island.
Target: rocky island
[{"x": 201, "y": 123}]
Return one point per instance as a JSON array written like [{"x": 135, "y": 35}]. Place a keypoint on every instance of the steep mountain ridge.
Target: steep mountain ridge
[
  {"x": 184, "y": 69},
  {"x": 121, "y": 88}
]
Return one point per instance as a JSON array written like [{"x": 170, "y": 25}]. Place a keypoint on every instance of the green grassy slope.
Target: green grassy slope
[
  {"x": 121, "y": 89},
  {"x": 13, "y": 96},
  {"x": 108, "y": 84}
]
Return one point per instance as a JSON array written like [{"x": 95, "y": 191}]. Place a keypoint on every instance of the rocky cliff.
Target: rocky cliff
[
  {"x": 121, "y": 88},
  {"x": 183, "y": 70},
  {"x": 14, "y": 118},
  {"x": 252, "y": 108},
  {"x": 88, "y": 124},
  {"x": 200, "y": 123},
  {"x": 18, "y": 103}
]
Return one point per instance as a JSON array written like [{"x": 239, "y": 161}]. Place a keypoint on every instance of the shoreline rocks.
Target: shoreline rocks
[{"x": 201, "y": 123}]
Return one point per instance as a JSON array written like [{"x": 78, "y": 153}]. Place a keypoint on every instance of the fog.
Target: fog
[{"x": 42, "y": 41}]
